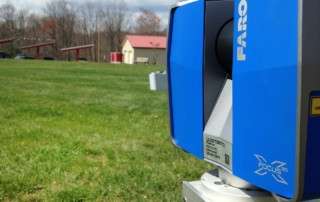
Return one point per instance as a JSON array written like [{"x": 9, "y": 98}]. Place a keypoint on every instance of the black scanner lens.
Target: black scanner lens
[{"x": 224, "y": 47}]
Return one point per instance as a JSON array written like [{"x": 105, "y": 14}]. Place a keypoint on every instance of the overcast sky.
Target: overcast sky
[{"x": 159, "y": 6}]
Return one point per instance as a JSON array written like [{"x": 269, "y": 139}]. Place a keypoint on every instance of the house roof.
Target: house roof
[{"x": 139, "y": 41}]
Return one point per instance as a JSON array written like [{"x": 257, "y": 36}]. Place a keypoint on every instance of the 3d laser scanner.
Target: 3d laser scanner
[{"x": 244, "y": 94}]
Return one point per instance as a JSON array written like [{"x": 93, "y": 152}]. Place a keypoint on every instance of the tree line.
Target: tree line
[{"x": 70, "y": 23}]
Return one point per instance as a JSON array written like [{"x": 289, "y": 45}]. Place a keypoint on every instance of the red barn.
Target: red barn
[{"x": 144, "y": 49}]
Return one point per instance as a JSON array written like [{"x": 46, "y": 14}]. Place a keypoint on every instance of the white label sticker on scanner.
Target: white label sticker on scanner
[{"x": 218, "y": 151}]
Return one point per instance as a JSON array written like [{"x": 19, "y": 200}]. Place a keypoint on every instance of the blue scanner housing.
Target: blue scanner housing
[
  {"x": 266, "y": 95},
  {"x": 276, "y": 89},
  {"x": 185, "y": 71}
]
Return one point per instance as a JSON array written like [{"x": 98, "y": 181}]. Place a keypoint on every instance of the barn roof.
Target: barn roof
[
  {"x": 77, "y": 48},
  {"x": 140, "y": 41},
  {"x": 2, "y": 41},
  {"x": 39, "y": 45}
]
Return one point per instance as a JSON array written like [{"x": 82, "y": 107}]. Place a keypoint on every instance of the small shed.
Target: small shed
[{"x": 144, "y": 49}]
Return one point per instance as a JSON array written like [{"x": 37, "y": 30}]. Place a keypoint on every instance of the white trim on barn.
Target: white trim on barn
[{"x": 128, "y": 53}]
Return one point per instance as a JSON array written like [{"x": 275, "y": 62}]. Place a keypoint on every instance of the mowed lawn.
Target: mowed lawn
[{"x": 86, "y": 132}]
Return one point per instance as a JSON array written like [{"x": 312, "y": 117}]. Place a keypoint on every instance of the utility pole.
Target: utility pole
[
  {"x": 98, "y": 38},
  {"x": 99, "y": 46}
]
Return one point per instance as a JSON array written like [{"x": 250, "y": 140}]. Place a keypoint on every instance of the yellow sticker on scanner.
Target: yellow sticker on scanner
[{"x": 315, "y": 106}]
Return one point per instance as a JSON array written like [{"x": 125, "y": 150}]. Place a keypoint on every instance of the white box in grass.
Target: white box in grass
[{"x": 158, "y": 81}]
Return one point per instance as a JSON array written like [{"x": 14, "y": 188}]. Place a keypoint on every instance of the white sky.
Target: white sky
[{"x": 159, "y": 6}]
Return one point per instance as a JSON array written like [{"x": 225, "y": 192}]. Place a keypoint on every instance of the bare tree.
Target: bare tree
[
  {"x": 7, "y": 20},
  {"x": 62, "y": 13},
  {"x": 21, "y": 22},
  {"x": 88, "y": 14},
  {"x": 115, "y": 20},
  {"x": 49, "y": 27},
  {"x": 33, "y": 29},
  {"x": 148, "y": 22}
]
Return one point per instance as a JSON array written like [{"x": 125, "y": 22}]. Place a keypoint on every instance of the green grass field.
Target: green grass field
[{"x": 86, "y": 132}]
